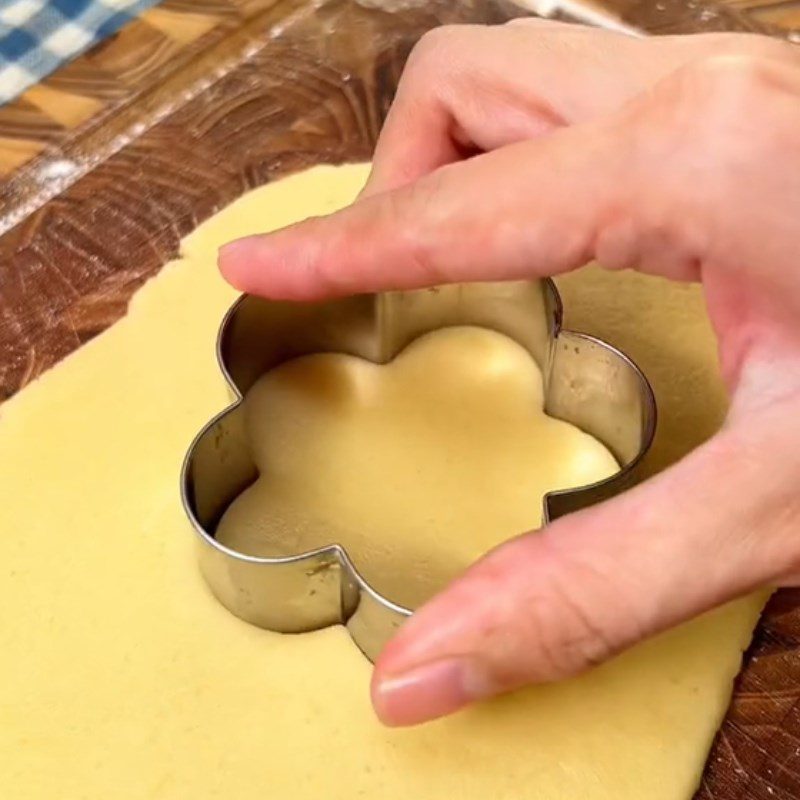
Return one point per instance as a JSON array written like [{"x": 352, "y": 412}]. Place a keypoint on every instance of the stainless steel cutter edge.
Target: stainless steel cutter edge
[{"x": 318, "y": 588}]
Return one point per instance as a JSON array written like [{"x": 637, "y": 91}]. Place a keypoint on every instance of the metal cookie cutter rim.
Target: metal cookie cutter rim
[{"x": 321, "y": 587}]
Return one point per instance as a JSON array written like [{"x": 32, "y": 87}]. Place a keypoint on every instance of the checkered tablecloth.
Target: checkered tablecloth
[{"x": 37, "y": 36}]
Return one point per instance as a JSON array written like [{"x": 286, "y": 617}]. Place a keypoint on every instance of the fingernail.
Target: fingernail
[
  {"x": 429, "y": 691},
  {"x": 238, "y": 247},
  {"x": 233, "y": 259}
]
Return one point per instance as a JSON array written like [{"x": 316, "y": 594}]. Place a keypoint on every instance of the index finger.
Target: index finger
[{"x": 525, "y": 210}]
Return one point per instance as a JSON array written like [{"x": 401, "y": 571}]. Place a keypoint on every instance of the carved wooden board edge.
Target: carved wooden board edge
[{"x": 92, "y": 218}]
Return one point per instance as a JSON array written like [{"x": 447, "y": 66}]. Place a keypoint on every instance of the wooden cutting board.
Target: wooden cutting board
[{"x": 111, "y": 160}]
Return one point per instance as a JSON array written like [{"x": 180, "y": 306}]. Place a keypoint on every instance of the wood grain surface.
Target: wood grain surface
[{"x": 111, "y": 160}]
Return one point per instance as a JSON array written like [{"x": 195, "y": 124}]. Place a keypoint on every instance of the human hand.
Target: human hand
[{"x": 675, "y": 156}]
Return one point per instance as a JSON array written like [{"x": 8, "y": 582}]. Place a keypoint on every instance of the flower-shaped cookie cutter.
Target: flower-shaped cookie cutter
[{"x": 587, "y": 382}]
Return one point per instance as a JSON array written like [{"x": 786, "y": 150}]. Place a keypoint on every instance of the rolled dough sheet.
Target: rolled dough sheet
[
  {"x": 417, "y": 467},
  {"x": 122, "y": 678}
]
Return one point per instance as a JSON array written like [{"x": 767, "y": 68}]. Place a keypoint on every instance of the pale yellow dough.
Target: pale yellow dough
[
  {"x": 122, "y": 678},
  {"x": 417, "y": 467}
]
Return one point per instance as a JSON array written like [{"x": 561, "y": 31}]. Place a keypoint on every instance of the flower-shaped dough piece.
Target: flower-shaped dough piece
[{"x": 416, "y": 467}]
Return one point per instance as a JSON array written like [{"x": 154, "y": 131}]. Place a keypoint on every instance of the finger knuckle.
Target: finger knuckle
[
  {"x": 437, "y": 48},
  {"x": 570, "y": 641},
  {"x": 754, "y": 45},
  {"x": 423, "y": 202},
  {"x": 427, "y": 67},
  {"x": 574, "y": 620},
  {"x": 733, "y": 81},
  {"x": 737, "y": 108},
  {"x": 714, "y": 129}
]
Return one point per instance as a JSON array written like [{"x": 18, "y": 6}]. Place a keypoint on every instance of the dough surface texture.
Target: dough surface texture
[{"x": 121, "y": 676}]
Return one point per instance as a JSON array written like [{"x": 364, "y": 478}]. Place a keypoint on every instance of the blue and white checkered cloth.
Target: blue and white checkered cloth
[{"x": 37, "y": 36}]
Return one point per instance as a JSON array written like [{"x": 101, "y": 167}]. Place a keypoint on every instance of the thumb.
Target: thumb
[
  {"x": 524, "y": 210},
  {"x": 548, "y": 605}
]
